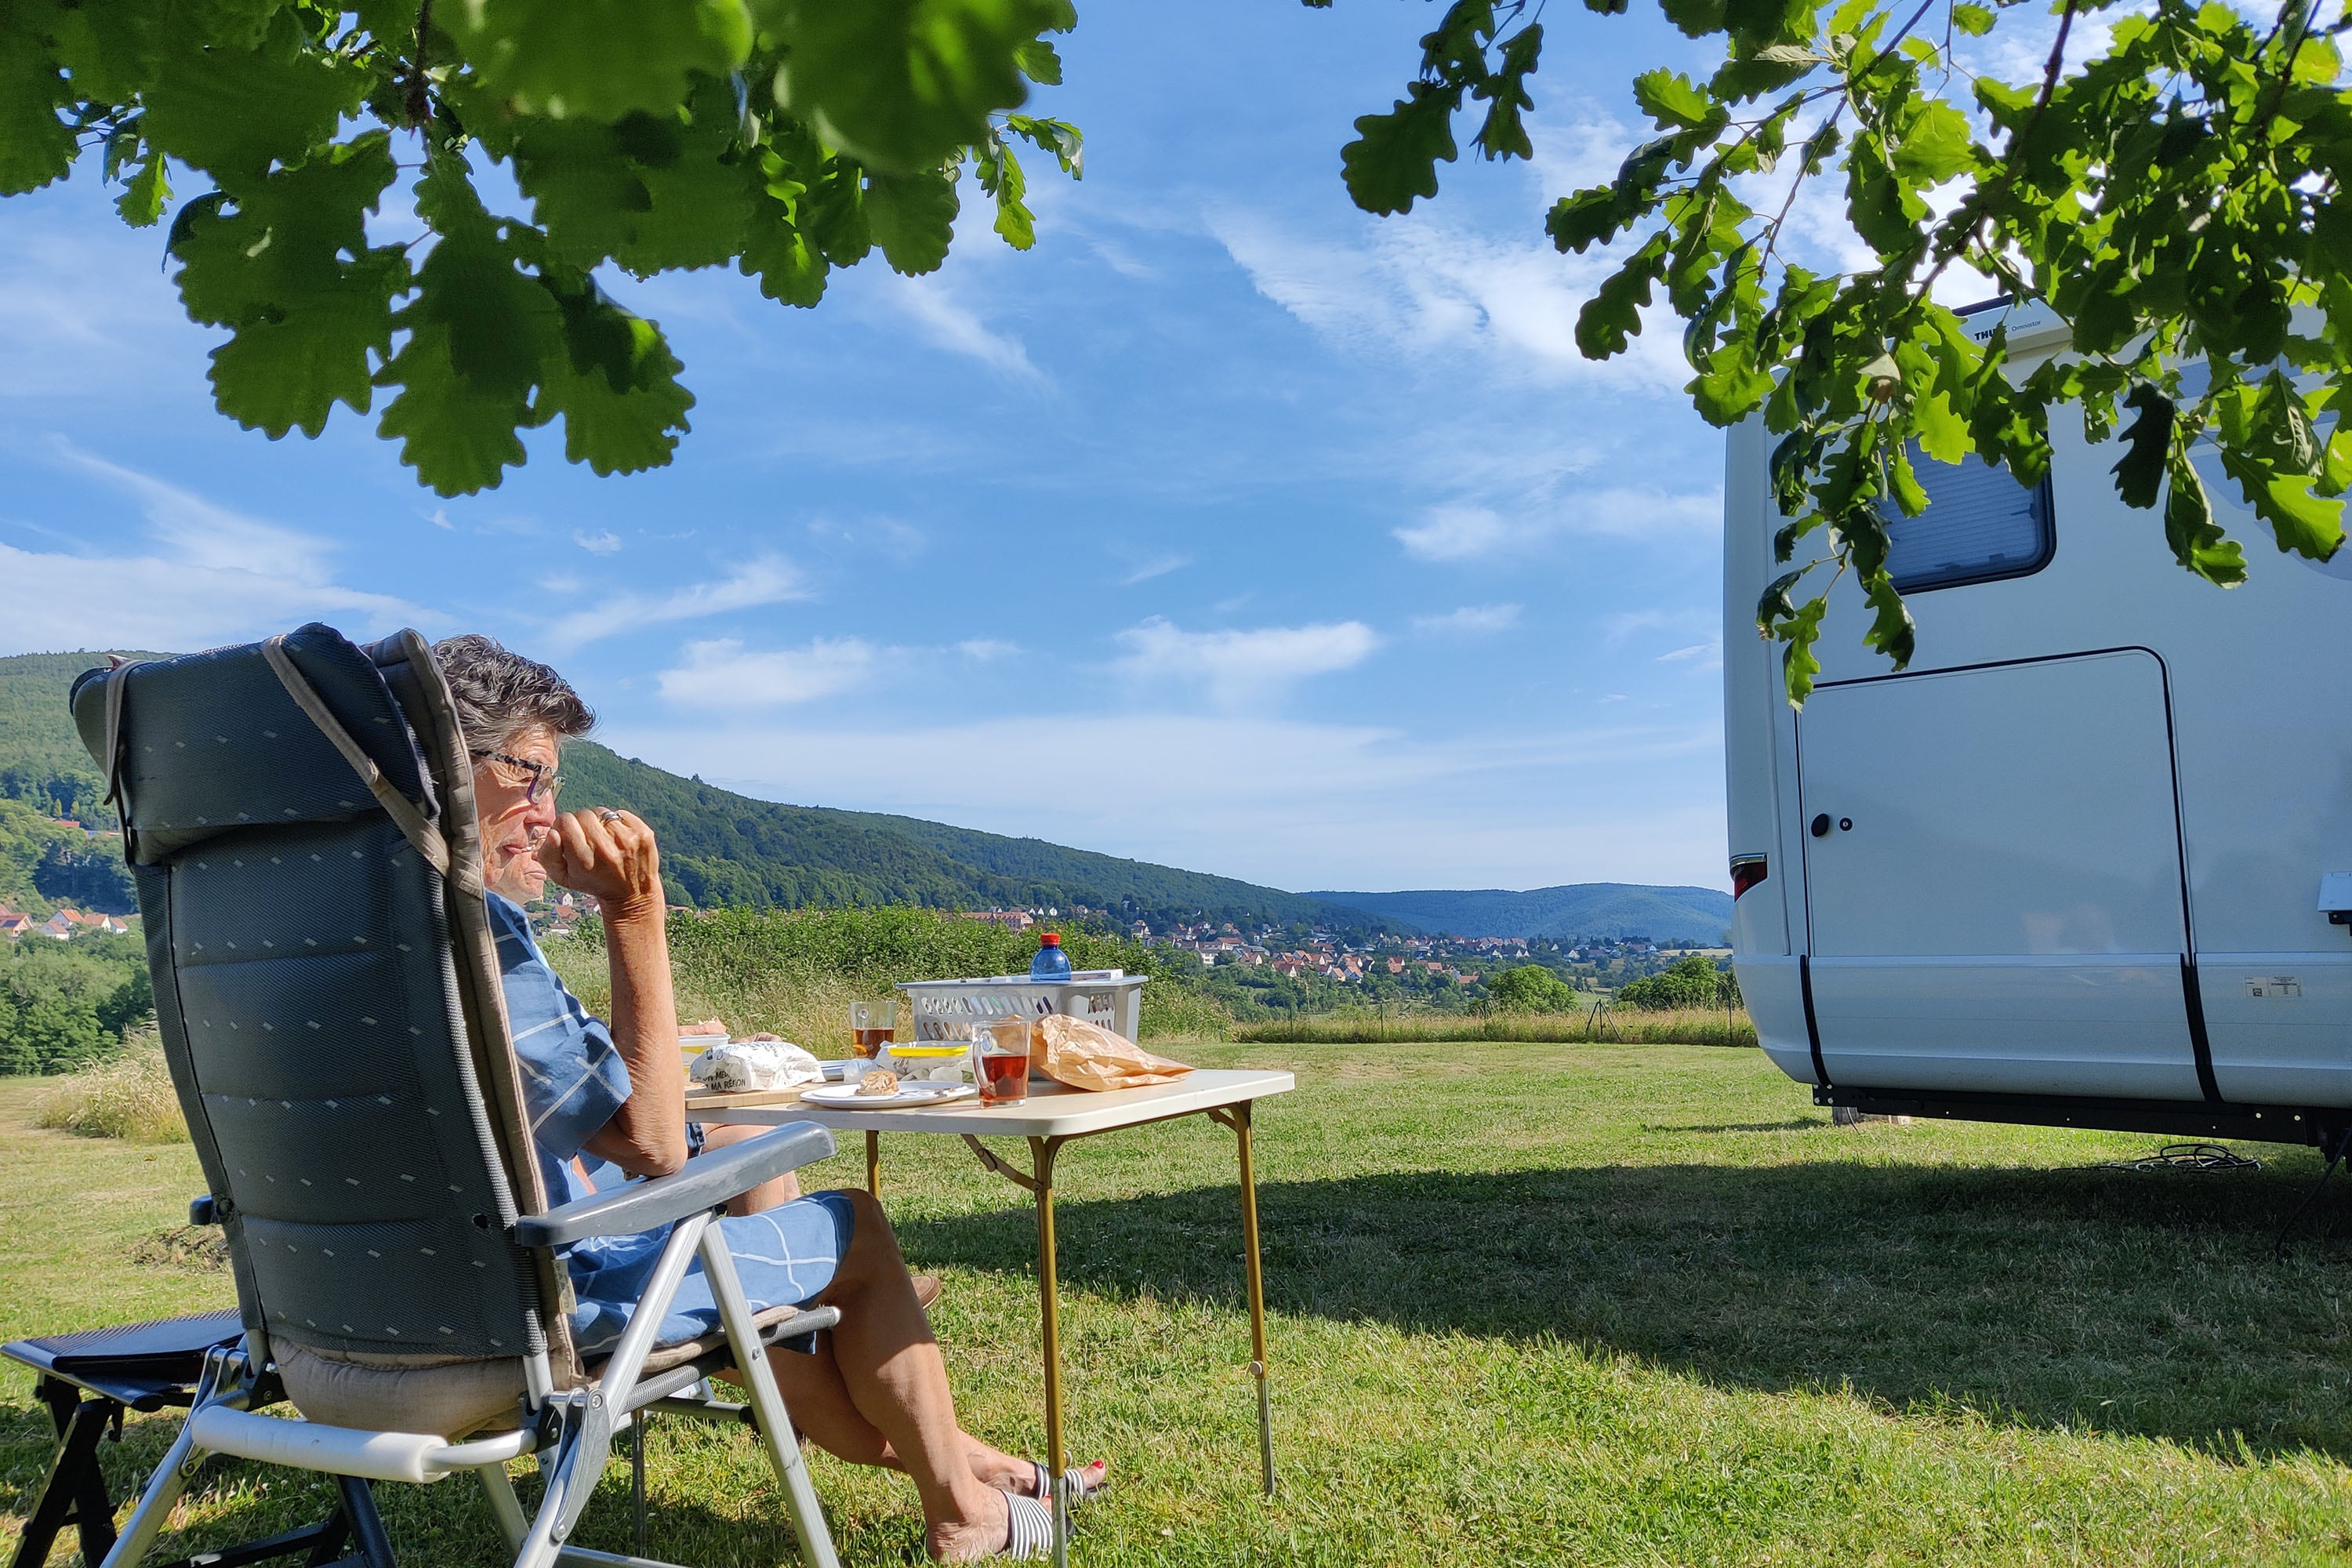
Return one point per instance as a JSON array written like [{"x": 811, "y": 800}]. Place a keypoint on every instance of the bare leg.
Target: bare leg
[
  {"x": 825, "y": 1415},
  {"x": 768, "y": 1194},
  {"x": 891, "y": 1367}
]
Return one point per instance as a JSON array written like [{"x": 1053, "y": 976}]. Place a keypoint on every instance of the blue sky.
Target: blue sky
[{"x": 1228, "y": 528}]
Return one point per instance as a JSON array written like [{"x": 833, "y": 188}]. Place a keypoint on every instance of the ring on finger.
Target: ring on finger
[{"x": 607, "y": 814}]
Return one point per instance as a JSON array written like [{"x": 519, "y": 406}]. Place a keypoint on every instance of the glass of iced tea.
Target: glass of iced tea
[
  {"x": 871, "y": 1025},
  {"x": 1001, "y": 1061}
]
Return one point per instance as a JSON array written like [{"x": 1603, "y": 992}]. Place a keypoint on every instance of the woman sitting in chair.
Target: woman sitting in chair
[{"x": 875, "y": 1391}]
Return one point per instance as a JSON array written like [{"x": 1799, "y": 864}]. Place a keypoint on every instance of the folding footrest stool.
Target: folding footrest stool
[{"x": 89, "y": 1379}]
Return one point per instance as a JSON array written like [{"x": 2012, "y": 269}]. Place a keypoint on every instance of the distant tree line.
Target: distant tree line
[{"x": 64, "y": 1005}]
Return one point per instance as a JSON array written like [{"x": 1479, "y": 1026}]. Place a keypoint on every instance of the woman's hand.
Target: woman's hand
[{"x": 607, "y": 854}]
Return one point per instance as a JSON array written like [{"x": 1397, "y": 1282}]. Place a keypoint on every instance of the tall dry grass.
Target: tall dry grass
[
  {"x": 807, "y": 1007},
  {"x": 128, "y": 1096},
  {"x": 1680, "y": 1027},
  {"x": 796, "y": 973}
]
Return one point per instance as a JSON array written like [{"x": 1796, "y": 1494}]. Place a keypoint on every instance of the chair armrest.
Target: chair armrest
[{"x": 705, "y": 1182}]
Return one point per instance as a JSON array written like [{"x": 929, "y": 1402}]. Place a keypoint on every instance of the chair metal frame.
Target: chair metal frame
[
  {"x": 570, "y": 1412},
  {"x": 571, "y": 1432}
]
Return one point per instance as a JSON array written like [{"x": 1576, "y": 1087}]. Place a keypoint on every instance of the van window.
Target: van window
[{"x": 1979, "y": 524}]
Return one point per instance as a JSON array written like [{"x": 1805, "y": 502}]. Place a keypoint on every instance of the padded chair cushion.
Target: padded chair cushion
[
  {"x": 447, "y": 1397},
  {"x": 661, "y": 1358}
]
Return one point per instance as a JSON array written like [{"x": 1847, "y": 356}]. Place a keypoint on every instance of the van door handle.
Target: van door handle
[{"x": 1821, "y": 826}]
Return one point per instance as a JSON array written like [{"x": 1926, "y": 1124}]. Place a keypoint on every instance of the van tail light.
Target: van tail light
[{"x": 1746, "y": 870}]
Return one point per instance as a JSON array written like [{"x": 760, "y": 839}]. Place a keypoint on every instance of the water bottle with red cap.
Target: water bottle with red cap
[{"x": 1050, "y": 962}]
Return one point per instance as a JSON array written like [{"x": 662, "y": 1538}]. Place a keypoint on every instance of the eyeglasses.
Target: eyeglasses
[{"x": 544, "y": 779}]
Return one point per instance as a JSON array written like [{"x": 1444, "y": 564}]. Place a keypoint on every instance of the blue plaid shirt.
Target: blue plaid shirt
[{"x": 573, "y": 1079}]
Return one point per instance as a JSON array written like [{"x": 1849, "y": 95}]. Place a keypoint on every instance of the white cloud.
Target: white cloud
[
  {"x": 899, "y": 541},
  {"x": 1157, "y": 566},
  {"x": 722, "y": 673},
  {"x": 1416, "y": 288},
  {"x": 1456, "y": 532},
  {"x": 931, "y": 305},
  {"x": 439, "y": 518},
  {"x": 1470, "y": 620},
  {"x": 604, "y": 542},
  {"x": 1693, "y": 620},
  {"x": 1241, "y": 669},
  {"x": 982, "y": 650},
  {"x": 1463, "y": 531},
  {"x": 88, "y": 313},
  {"x": 763, "y": 580},
  {"x": 215, "y": 576}
]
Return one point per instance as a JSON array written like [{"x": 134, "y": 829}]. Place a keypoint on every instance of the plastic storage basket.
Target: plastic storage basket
[{"x": 946, "y": 1010}]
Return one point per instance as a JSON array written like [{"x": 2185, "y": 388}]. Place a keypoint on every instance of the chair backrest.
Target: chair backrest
[{"x": 330, "y": 1000}]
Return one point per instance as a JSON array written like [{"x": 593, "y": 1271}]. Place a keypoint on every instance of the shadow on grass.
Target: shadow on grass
[
  {"x": 235, "y": 1502},
  {"x": 1793, "y": 1124},
  {"x": 2135, "y": 1302}
]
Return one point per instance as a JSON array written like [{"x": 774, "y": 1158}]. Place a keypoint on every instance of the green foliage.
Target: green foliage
[
  {"x": 1530, "y": 988},
  {"x": 2178, "y": 198},
  {"x": 1693, "y": 981},
  {"x": 67, "y": 1004},
  {"x": 43, "y": 863},
  {"x": 42, "y": 763},
  {"x": 784, "y": 137}
]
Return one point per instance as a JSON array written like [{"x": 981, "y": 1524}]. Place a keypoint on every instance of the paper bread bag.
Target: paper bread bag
[{"x": 1085, "y": 1055}]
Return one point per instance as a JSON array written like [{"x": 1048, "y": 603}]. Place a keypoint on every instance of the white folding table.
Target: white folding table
[{"x": 1050, "y": 1117}]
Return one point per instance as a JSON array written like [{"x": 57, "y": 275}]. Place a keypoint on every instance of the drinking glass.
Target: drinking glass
[
  {"x": 1001, "y": 1061},
  {"x": 871, "y": 1025}
]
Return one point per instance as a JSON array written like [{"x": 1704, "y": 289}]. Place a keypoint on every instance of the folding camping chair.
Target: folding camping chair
[{"x": 299, "y": 816}]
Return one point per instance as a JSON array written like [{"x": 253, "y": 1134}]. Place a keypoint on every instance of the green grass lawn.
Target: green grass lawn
[{"x": 1636, "y": 1304}]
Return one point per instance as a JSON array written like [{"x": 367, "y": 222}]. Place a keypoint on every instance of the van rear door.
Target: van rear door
[{"x": 1993, "y": 880}]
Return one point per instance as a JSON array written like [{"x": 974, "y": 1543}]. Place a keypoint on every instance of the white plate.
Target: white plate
[{"x": 845, "y": 1096}]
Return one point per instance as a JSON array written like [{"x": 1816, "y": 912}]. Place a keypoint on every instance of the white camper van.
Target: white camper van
[{"x": 2071, "y": 867}]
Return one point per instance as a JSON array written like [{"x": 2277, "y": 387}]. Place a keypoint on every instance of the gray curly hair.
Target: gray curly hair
[{"x": 500, "y": 694}]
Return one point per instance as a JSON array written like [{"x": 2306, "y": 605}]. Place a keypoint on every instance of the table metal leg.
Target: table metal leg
[
  {"x": 1042, "y": 1152},
  {"x": 874, "y": 1165},
  {"x": 1238, "y": 1118}
]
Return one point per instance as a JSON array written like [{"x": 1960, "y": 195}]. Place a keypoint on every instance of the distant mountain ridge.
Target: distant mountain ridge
[
  {"x": 1575, "y": 910},
  {"x": 720, "y": 849}
]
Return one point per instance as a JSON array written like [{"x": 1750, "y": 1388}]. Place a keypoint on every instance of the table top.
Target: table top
[{"x": 1051, "y": 1111}]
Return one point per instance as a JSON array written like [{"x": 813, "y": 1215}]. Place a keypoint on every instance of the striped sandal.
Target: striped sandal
[
  {"x": 1028, "y": 1529},
  {"x": 1074, "y": 1482}
]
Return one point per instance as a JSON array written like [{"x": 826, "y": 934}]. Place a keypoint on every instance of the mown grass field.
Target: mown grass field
[{"x": 1577, "y": 1304}]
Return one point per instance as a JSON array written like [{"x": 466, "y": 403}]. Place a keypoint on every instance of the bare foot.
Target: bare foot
[
  {"x": 995, "y": 1468},
  {"x": 1089, "y": 1478},
  {"x": 969, "y": 1541}
]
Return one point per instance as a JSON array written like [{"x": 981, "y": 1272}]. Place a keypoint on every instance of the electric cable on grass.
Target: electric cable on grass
[
  {"x": 2185, "y": 1157},
  {"x": 2333, "y": 1144}
]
